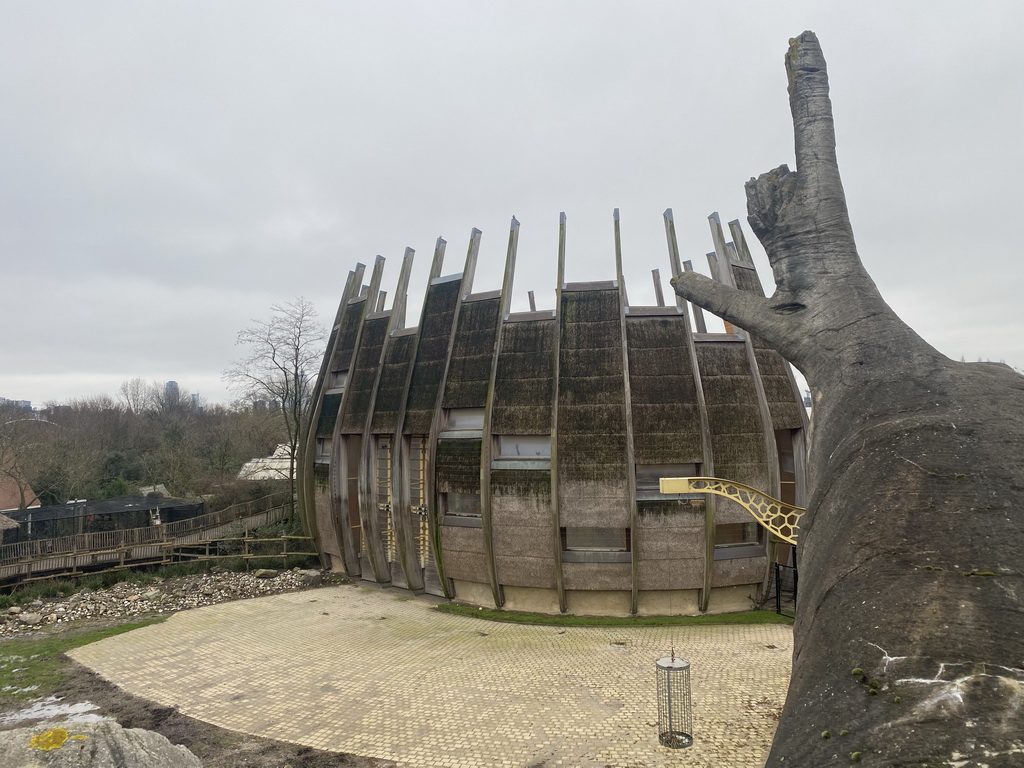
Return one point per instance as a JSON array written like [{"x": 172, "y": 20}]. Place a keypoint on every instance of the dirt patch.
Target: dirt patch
[{"x": 215, "y": 747}]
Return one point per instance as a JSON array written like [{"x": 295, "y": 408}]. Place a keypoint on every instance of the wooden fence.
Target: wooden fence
[{"x": 86, "y": 550}]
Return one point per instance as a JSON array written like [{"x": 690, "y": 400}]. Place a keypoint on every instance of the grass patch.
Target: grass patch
[
  {"x": 32, "y": 668},
  {"x": 571, "y": 620}
]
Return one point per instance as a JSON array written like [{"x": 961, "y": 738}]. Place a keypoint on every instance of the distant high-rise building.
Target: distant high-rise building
[{"x": 171, "y": 394}]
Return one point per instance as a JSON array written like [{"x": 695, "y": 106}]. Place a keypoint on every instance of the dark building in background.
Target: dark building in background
[
  {"x": 513, "y": 459},
  {"x": 82, "y": 516}
]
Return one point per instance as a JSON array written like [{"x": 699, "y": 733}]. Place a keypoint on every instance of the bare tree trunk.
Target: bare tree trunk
[{"x": 909, "y": 641}]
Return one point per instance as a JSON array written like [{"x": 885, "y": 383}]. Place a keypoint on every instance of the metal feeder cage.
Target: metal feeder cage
[{"x": 675, "y": 705}]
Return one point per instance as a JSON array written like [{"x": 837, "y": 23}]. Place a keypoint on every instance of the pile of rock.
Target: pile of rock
[{"x": 158, "y": 597}]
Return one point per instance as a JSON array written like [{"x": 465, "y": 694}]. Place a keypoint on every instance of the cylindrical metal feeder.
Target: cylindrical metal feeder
[{"x": 675, "y": 706}]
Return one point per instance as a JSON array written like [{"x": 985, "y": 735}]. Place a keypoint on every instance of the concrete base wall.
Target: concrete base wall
[
  {"x": 609, "y": 602},
  {"x": 474, "y": 593},
  {"x": 733, "y": 599},
  {"x": 531, "y": 599},
  {"x": 597, "y": 602},
  {"x": 668, "y": 602}
]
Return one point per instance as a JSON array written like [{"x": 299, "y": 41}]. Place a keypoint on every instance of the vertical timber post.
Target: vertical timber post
[
  {"x": 627, "y": 404},
  {"x": 725, "y": 251},
  {"x": 707, "y": 453},
  {"x": 486, "y": 444},
  {"x": 437, "y": 422},
  {"x": 556, "y": 521}
]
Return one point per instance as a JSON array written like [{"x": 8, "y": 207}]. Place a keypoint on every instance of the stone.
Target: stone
[
  {"x": 31, "y": 618},
  {"x": 179, "y": 593},
  {"x": 153, "y": 594},
  {"x": 310, "y": 578},
  {"x": 265, "y": 573},
  {"x": 14, "y": 610},
  {"x": 91, "y": 745}
]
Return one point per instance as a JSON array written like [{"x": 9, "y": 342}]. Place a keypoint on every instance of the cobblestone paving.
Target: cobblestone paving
[{"x": 376, "y": 673}]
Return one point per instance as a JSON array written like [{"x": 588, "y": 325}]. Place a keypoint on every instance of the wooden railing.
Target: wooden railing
[{"x": 21, "y": 551}]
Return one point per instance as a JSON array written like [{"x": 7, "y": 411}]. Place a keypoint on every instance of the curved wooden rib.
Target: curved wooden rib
[{"x": 780, "y": 518}]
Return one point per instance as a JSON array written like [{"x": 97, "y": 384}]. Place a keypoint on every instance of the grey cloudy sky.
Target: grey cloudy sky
[{"x": 168, "y": 170}]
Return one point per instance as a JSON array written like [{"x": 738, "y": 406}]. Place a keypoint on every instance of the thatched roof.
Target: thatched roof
[
  {"x": 363, "y": 375},
  {"x": 591, "y": 392},
  {"x": 524, "y": 384},
  {"x": 435, "y": 334},
  {"x": 391, "y": 389},
  {"x": 666, "y": 418},
  {"x": 469, "y": 373}
]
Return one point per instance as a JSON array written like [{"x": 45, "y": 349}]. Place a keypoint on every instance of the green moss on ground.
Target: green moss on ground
[
  {"x": 570, "y": 620},
  {"x": 32, "y": 668}
]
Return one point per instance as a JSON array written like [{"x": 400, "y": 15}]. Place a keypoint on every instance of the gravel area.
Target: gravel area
[{"x": 126, "y": 600}]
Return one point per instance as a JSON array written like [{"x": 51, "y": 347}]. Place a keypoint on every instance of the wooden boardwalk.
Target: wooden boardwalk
[{"x": 164, "y": 543}]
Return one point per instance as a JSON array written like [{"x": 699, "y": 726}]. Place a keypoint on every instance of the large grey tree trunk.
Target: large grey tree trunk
[{"x": 909, "y": 639}]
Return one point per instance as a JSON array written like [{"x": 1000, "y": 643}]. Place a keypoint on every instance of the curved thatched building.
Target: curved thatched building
[{"x": 512, "y": 459}]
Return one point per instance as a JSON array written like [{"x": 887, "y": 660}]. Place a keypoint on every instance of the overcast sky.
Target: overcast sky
[{"x": 168, "y": 170}]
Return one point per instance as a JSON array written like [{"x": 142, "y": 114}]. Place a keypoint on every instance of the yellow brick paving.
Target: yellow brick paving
[{"x": 376, "y": 673}]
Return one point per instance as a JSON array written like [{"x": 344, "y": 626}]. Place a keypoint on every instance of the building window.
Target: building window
[
  {"x": 737, "y": 534},
  {"x": 323, "y": 448},
  {"x": 648, "y": 478},
  {"x": 588, "y": 544},
  {"x": 337, "y": 379},
  {"x": 459, "y": 419},
  {"x": 734, "y": 540},
  {"x": 460, "y": 509},
  {"x": 524, "y": 447},
  {"x": 461, "y": 504}
]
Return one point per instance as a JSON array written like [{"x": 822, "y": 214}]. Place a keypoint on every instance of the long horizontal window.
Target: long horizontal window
[
  {"x": 461, "y": 504},
  {"x": 589, "y": 544},
  {"x": 460, "y": 509},
  {"x": 648, "y": 479},
  {"x": 735, "y": 540},
  {"x": 737, "y": 534},
  {"x": 464, "y": 418},
  {"x": 524, "y": 447}
]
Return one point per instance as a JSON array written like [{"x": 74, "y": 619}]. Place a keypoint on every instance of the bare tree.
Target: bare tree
[
  {"x": 280, "y": 366},
  {"x": 24, "y": 447},
  {"x": 909, "y": 640},
  {"x": 136, "y": 395}
]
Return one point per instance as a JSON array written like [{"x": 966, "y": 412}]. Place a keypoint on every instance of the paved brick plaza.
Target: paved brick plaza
[{"x": 378, "y": 673}]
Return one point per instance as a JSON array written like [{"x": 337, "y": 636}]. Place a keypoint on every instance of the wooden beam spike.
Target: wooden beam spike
[
  {"x": 561, "y": 251},
  {"x": 510, "y": 268},
  {"x": 698, "y": 313},
  {"x": 398, "y": 309},
  {"x": 743, "y": 252},
  {"x": 397, "y": 319},
  {"x": 658, "y": 293},
  {"x": 438, "y": 262},
  {"x": 718, "y": 237},
  {"x": 469, "y": 270}
]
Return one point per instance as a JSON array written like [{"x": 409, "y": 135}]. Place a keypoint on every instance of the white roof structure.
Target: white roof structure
[{"x": 274, "y": 467}]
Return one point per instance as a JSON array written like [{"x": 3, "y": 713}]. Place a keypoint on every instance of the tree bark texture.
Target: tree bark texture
[{"x": 909, "y": 638}]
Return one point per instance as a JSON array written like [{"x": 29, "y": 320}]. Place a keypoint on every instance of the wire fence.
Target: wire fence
[{"x": 783, "y": 589}]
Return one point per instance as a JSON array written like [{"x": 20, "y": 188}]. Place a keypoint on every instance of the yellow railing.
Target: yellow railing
[{"x": 780, "y": 518}]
